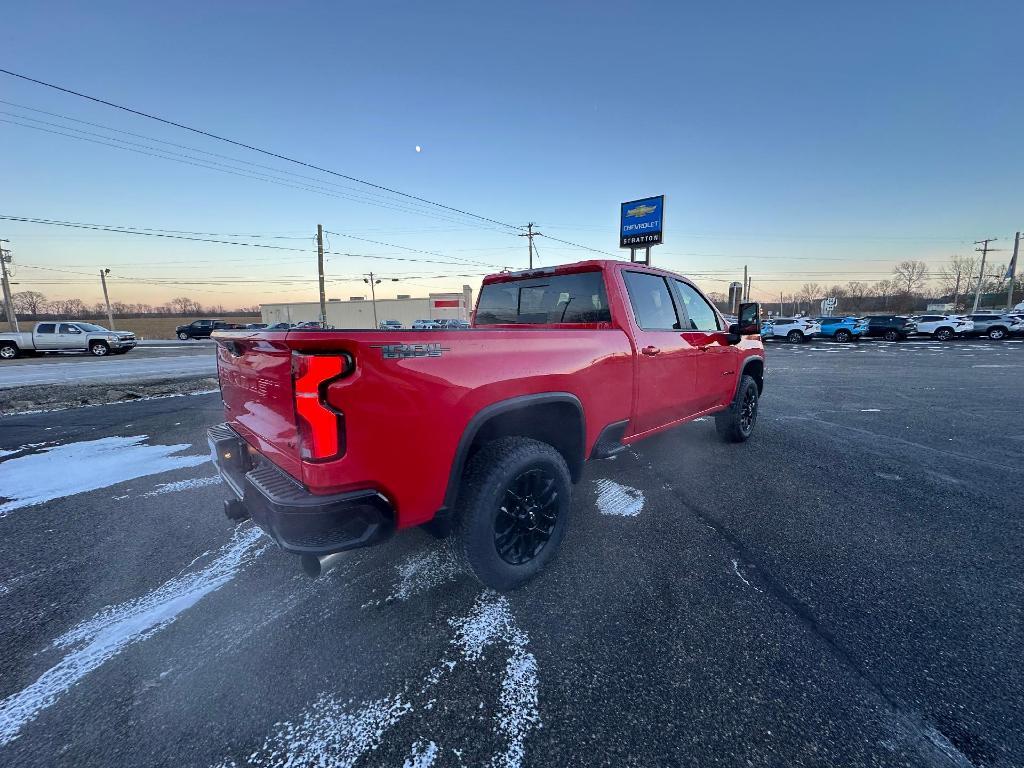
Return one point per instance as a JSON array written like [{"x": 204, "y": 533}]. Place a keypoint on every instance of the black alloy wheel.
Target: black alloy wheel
[{"x": 526, "y": 516}]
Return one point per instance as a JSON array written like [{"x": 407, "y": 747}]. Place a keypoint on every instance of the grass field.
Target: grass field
[{"x": 143, "y": 327}]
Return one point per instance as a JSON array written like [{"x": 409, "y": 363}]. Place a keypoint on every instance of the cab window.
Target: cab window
[
  {"x": 69, "y": 328},
  {"x": 652, "y": 303},
  {"x": 700, "y": 315},
  {"x": 46, "y": 328}
]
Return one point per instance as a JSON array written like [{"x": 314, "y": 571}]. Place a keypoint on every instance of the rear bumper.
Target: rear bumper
[{"x": 299, "y": 521}]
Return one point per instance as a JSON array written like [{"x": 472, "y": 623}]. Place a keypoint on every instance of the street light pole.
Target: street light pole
[
  {"x": 1012, "y": 272},
  {"x": 374, "y": 281}
]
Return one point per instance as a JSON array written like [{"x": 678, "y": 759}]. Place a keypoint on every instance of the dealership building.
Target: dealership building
[{"x": 358, "y": 311}]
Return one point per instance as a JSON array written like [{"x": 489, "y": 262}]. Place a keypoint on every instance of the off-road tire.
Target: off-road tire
[
  {"x": 8, "y": 351},
  {"x": 490, "y": 474},
  {"x": 794, "y": 337},
  {"x": 99, "y": 349},
  {"x": 892, "y": 336},
  {"x": 842, "y": 336},
  {"x": 735, "y": 424},
  {"x": 944, "y": 334}
]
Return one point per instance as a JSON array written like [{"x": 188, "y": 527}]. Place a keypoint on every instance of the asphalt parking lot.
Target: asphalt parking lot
[{"x": 844, "y": 590}]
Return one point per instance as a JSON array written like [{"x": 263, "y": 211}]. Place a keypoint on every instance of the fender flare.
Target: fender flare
[{"x": 500, "y": 408}]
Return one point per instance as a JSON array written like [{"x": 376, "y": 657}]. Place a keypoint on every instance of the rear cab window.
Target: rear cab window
[
  {"x": 46, "y": 328},
  {"x": 577, "y": 297}
]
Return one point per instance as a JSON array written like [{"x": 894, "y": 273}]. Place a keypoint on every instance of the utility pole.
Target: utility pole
[
  {"x": 981, "y": 273},
  {"x": 12, "y": 318},
  {"x": 320, "y": 271},
  {"x": 530, "y": 234},
  {"x": 106, "y": 298},
  {"x": 1012, "y": 272},
  {"x": 746, "y": 284},
  {"x": 750, "y": 279},
  {"x": 374, "y": 281},
  {"x": 780, "y": 304}
]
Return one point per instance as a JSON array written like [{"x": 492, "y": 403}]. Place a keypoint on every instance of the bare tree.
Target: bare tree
[
  {"x": 856, "y": 291},
  {"x": 955, "y": 277},
  {"x": 809, "y": 292},
  {"x": 183, "y": 305},
  {"x": 119, "y": 308},
  {"x": 885, "y": 290},
  {"x": 29, "y": 302},
  {"x": 69, "y": 307},
  {"x": 910, "y": 276}
]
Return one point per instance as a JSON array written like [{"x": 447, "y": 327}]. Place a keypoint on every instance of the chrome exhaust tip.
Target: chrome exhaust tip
[{"x": 316, "y": 566}]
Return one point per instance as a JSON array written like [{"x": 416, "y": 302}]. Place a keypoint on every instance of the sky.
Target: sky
[{"x": 811, "y": 142}]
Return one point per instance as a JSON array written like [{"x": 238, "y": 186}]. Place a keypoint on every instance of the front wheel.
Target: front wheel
[
  {"x": 736, "y": 423},
  {"x": 99, "y": 349},
  {"x": 183, "y": 336},
  {"x": 513, "y": 511},
  {"x": 843, "y": 336}
]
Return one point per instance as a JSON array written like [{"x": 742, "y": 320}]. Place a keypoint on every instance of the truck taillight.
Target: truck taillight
[{"x": 321, "y": 427}]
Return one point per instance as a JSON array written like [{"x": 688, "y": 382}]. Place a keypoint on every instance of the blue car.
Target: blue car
[{"x": 843, "y": 329}]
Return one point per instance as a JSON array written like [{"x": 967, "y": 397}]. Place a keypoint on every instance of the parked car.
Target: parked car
[
  {"x": 995, "y": 325},
  {"x": 843, "y": 329},
  {"x": 66, "y": 337},
  {"x": 501, "y": 423},
  {"x": 201, "y": 329},
  {"x": 890, "y": 327},
  {"x": 424, "y": 325},
  {"x": 307, "y": 325},
  {"x": 255, "y": 326},
  {"x": 453, "y": 325},
  {"x": 278, "y": 327},
  {"x": 793, "y": 329},
  {"x": 390, "y": 325},
  {"x": 943, "y": 327}
]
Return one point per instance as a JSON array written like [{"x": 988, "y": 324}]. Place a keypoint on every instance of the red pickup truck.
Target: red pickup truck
[{"x": 335, "y": 439}]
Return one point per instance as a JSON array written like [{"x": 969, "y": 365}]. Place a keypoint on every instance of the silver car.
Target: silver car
[{"x": 996, "y": 325}]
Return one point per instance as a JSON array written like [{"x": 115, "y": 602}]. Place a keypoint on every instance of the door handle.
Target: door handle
[{"x": 650, "y": 351}]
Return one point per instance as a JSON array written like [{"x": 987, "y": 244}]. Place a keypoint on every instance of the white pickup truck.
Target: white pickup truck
[{"x": 72, "y": 336}]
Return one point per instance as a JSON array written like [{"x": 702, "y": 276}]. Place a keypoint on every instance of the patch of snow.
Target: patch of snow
[
  {"x": 183, "y": 485},
  {"x": 116, "y": 627},
  {"x": 422, "y": 756},
  {"x": 615, "y": 499},
  {"x": 870, "y": 410},
  {"x": 421, "y": 572},
  {"x": 65, "y": 470}
]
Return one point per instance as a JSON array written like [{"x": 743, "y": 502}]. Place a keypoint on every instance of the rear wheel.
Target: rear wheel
[
  {"x": 843, "y": 336},
  {"x": 997, "y": 334},
  {"x": 736, "y": 423},
  {"x": 794, "y": 337},
  {"x": 892, "y": 336},
  {"x": 99, "y": 349},
  {"x": 8, "y": 351},
  {"x": 513, "y": 511},
  {"x": 944, "y": 334}
]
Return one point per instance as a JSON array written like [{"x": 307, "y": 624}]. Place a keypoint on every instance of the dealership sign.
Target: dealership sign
[{"x": 640, "y": 222}]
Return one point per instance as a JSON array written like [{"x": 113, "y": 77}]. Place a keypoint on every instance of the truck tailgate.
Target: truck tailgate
[{"x": 255, "y": 372}]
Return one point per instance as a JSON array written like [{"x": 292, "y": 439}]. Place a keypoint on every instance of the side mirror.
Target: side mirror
[{"x": 749, "y": 322}]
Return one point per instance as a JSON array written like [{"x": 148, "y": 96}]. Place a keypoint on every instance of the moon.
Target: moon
[{"x": 419, "y": 148}]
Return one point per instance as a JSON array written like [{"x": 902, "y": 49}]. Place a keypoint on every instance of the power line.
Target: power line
[
  {"x": 575, "y": 245},
  {"x": 252, "y": 148}
]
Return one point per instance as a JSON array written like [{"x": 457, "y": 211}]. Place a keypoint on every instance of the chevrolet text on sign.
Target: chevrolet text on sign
[{"x": 641, "y": 222}]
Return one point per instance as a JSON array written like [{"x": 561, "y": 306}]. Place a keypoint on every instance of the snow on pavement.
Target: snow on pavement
[
  {"x": 105, "y": 635},
  {"x": 65, "y": 470},
  {"x": 615, "y": 499}
]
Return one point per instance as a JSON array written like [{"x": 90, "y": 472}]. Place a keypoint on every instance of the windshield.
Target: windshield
[{"x": 92, "y": 328}]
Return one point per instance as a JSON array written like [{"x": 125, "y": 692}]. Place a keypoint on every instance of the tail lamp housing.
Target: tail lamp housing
[{"x": 321, "y": 427}]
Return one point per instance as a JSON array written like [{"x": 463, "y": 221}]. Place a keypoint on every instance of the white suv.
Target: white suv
[
  {"x": 792, "y": 329},
  {"x": 943, "y": 327}
]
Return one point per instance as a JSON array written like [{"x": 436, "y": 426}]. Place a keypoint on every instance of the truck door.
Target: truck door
[
  {"x": 717, "y": 361},
  {"x": 45, "y": 336},
  {"x": 666, "y": 367},
  {"x": 71, "y": 337}
]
